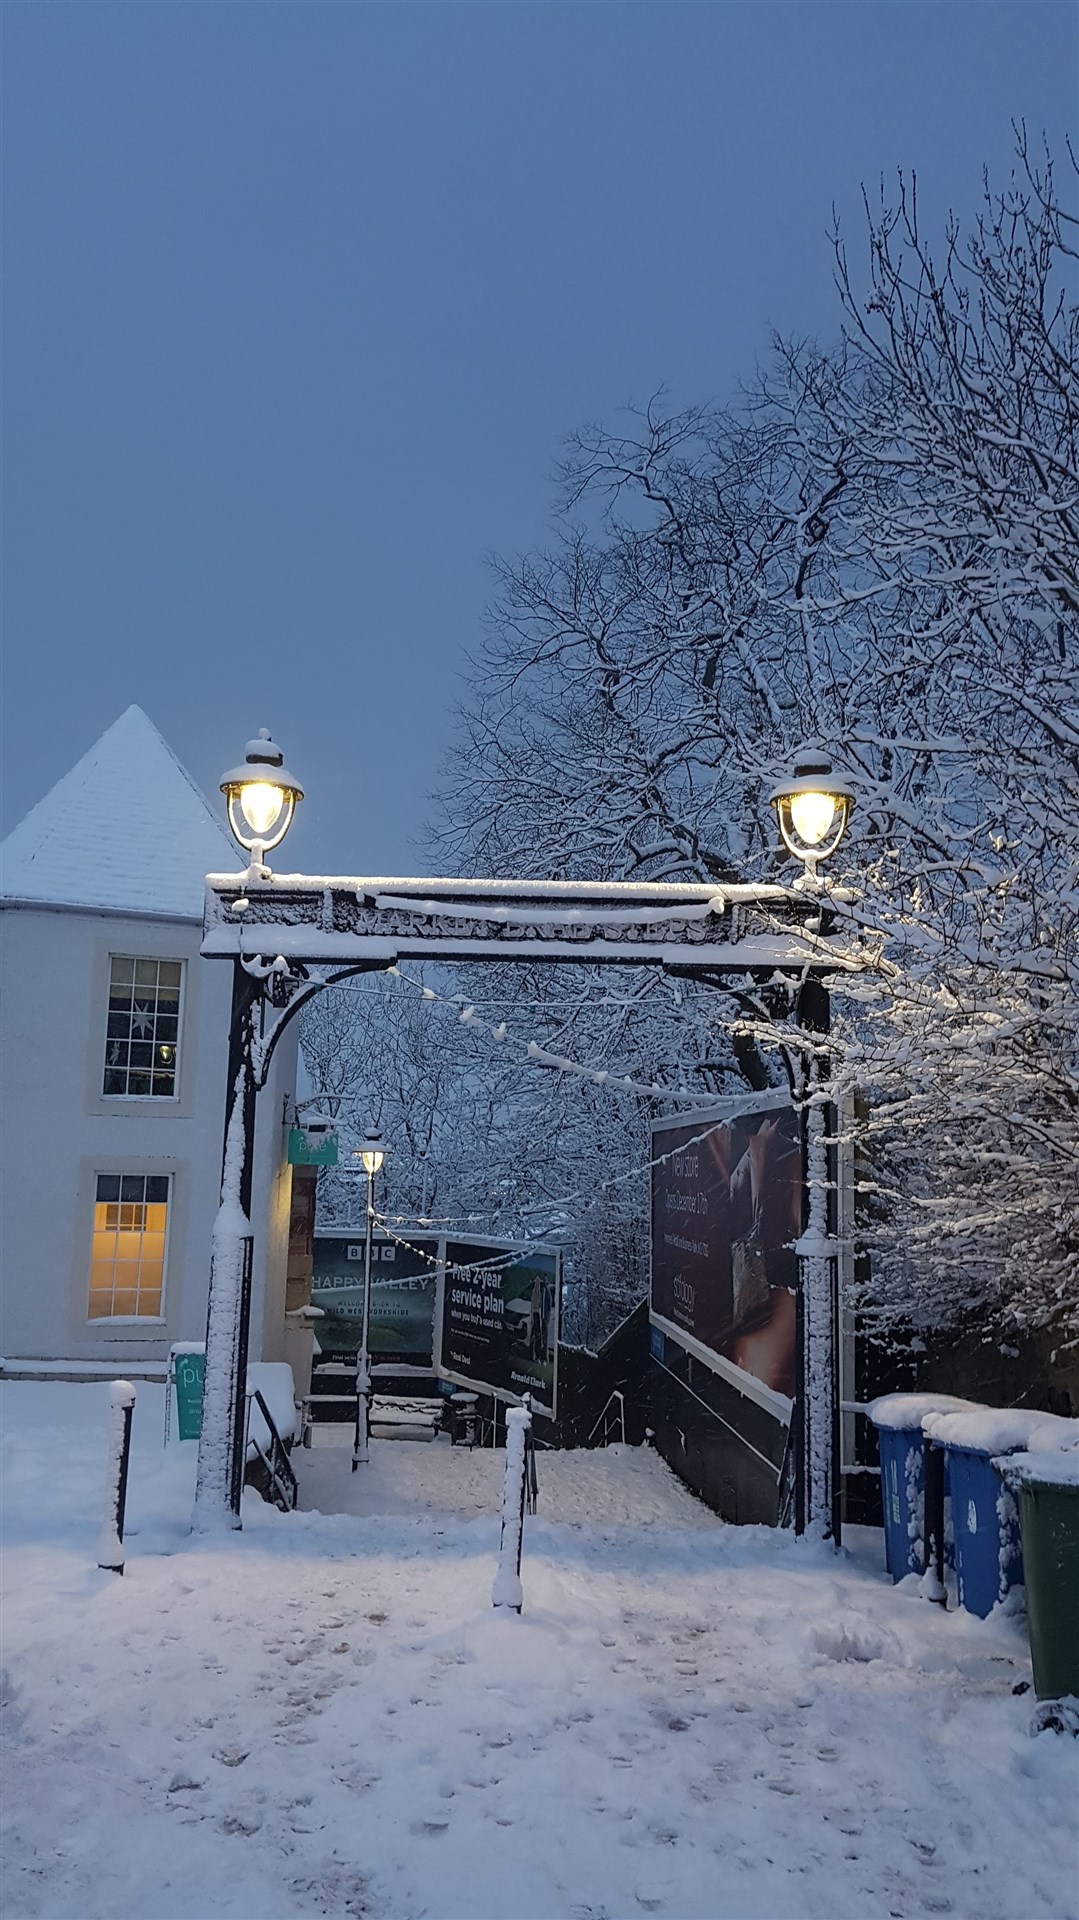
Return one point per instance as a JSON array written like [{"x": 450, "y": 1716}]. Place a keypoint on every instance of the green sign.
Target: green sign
[
  {"x": 190, "y": 1374},
  {"x": 306, "y": 1150}
]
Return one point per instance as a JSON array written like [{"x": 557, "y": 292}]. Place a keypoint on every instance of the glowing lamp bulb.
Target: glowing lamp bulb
[
  {"x": 261, "y": 806},
  {"x": 812, "y": 815}
]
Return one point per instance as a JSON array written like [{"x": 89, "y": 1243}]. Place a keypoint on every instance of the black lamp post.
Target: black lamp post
[
  {"x": 813, "y": 807},
  {"x": 262, "y": 798}
]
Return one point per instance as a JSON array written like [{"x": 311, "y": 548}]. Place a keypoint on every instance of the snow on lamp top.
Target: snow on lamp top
[
  {"x": 261, "y": 796},
  {"x": 813, "y": 808}
]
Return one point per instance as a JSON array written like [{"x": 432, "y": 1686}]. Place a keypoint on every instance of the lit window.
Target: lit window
[
  {"x": 127, "y": 1267},
  {"x": 143, "y": 1035}
]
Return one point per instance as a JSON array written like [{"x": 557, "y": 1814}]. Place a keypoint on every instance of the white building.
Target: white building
[{"x": 113, "y": 1051}]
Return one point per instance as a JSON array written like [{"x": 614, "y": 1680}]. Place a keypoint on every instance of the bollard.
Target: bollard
[
  {"x": 362, "y": 1435},
  {"x": 507, "y": 1591},
  {"x": 110, "y": 1556}
]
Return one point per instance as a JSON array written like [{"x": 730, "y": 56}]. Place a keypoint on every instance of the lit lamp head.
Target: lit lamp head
[
  {"x": 812, "y": 808},
  {"x": 261, "y": 797},
  {"x": 372, "y": 1153}
]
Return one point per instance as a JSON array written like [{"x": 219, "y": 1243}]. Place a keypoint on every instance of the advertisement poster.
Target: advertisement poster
[
  {"x": 726, "y": 1210},
  {"x": 403, "y": 1285},
  {"x": 500, "y": 1321}
]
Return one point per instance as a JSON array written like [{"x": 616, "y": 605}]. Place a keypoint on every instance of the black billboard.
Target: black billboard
[
  {"x": 403, "y": 1287},
  {"x": 500, "y": 1318}
]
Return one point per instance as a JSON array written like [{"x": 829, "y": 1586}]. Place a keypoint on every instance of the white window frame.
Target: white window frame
[{"x": 159, "y": 1101}]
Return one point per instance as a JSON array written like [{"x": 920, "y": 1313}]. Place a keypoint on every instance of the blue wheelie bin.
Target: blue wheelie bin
[
  {"x": 898, "y": 1421},
  {"x": 985, "y": 1522},
  {"x": 985, "y": 1510}
]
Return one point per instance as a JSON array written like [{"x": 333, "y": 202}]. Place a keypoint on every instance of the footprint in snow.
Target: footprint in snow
[{"x": 431, "y": 1825}]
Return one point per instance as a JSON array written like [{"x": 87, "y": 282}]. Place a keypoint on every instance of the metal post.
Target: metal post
[
  {"x": 361, "y": 1443},
  {"x": 507, "y": 1590},
  {"x": 121, "y": 1407},
  {"x": 818, "y": 1504},
  {"x": 220, "y": 1472}
]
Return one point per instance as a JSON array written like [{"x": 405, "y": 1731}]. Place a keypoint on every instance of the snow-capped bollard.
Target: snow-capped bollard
[
  {"x": 110, "y": 1553},
  {"x": 507, "y": 1591}
]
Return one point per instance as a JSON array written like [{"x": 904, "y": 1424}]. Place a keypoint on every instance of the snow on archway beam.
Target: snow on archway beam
[{"x": 377, "y": 922}]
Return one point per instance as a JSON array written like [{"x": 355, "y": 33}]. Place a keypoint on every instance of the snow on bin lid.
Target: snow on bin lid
[
  {"x": 274, "y": 1381},
  {"x": 1058, "y": 1469},
  {"x": 904, "y": 1412},
  {"x": 1002, "y": 1430}
]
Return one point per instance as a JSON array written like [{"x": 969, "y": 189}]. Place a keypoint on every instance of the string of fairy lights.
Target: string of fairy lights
[{"x": 586, "y": 1197}]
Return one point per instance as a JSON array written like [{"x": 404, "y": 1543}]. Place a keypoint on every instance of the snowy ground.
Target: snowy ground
[{"x": 323, "y": 1715}]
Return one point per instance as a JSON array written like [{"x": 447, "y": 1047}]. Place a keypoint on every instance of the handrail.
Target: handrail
[
  {"x": 284, "y": 1488},
  {"x": 601, "y": 1422}
]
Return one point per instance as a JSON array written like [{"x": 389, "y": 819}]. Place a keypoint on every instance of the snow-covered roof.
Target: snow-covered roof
[{"x": 127, "y": 830}]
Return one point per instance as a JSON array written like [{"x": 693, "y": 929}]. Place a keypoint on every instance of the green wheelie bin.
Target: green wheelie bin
[{"x": 1048, "y": 1488}]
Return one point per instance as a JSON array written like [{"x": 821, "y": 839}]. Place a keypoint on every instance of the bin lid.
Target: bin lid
[
  {"x": 904, "y": 1412},
  {"x": 1059, "y": 1468},
  {"x": 998, "y": 1430}
]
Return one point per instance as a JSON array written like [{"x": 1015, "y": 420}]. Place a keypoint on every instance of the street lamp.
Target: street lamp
[
  {"x": 812, "y": 808},
  {"x": 371, "y": 1155},
  {"x": 262, "y": 797}
]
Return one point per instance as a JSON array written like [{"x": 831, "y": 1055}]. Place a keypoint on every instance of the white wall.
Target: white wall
[{"x": 58, "y": 1133}]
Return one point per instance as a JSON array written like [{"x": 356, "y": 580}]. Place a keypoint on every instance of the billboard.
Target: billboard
[
  {"x": 403, "y": 1289},
  {"x": 500, "y": 1313},
  {"x": 726, "y": 1211}
]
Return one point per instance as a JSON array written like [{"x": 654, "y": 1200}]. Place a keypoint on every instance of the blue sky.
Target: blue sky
[{"x": 301, "y": 297}]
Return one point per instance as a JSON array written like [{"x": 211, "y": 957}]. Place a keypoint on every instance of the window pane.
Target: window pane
[
  {"x": 133, "y": 1186},
  {"x": 150, "y": 1303},
  {"x": 170, "y": 974},
  {"x": 157, "y": 1190},
  {"x": 122, "y": 969},
  {"x": 142, "y": 1055},
  {"x": 108, "y": 1186},
  {"x": 124, "y": 1303},
  {"x": 139, "y": 1084},
  {"x": 145, "y": 973},
  {"x": 164, "y": 1080},
  {"x": 153, "y": 1257},
  {"x": 120, "y": 998},
  {"x": 100, "y": 1306}
]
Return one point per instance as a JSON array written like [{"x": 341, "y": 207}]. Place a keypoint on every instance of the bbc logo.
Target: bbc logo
[{"x": 354, "y": 1252}]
